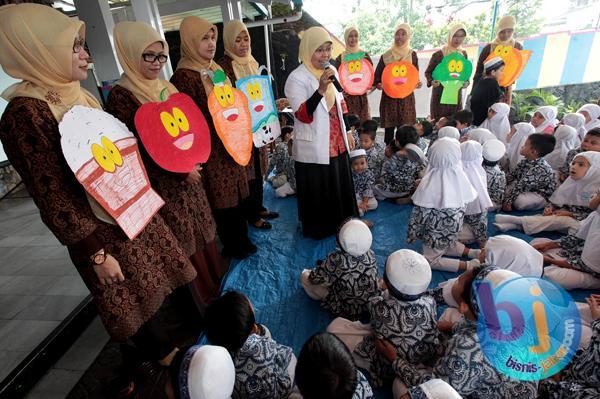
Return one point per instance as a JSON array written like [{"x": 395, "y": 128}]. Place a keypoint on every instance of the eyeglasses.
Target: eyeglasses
[
  {"x": 78, "y": 46},
  {"x": 151, "y": 58},
  {"x": 323, "y": 50}
]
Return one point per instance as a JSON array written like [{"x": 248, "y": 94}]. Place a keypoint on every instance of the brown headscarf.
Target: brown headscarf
[
  {"x": 448, "y": 47},
  {"x": 506, "y": 22},
  {"x": 191, "y": 32},
  {"x": 36, "y": 46},
  {"x": 242, "y": 66},
  {"x": 399, "y": 53},
  {"x": 131, "y": 39},
  {"x": 351, "y": 49},
  {"x": 312, "y": 39}
]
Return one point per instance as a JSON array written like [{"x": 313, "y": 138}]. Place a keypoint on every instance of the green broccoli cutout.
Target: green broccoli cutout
[
  {"x": 219, "y": 78},
  {"x": 452, "y": 72},
  {"x": 354, "y": 56}
]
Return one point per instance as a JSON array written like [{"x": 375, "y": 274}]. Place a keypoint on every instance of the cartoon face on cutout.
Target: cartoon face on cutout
[
  {"x": 228, "y": 107},
  {"x": 454, "y": 67},
  {"x": 514, "y": 62},
  {"x": 174, "y": 132},
  {"x": 104, "y": 156},
  {"x": 356, "y": 74},
  {"x": 399, "y": 79},
  {"x": 261, "y": 103}
]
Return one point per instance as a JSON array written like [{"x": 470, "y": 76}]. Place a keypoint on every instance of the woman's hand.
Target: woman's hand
[
  {"x": 379, "y": 86},
  {"x": 109, "y": 272},
  {"x": 194, "y": 176},
  {"x": 436, "y": 83},
  {"x": 324, "y": 80},
  {"x": 419, "y": 85},
  {"x": 465, "y": 84}
]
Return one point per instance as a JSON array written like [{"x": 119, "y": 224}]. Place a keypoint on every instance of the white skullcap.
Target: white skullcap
[
  {"x": 207, "y": 372},
  {"x": 493, "y": 63},
  {"x": 449, "y": 131},
  {"x": 358, "y": 153},
  {"x": 439, "y": 389},
  {"x": 408, "y": 272},
  {"x": 355, "y": 237},
  {"x": 493, "y": 150}
]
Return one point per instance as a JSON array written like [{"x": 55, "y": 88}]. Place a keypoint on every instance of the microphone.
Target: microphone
[{"x": 333, "y": 79}]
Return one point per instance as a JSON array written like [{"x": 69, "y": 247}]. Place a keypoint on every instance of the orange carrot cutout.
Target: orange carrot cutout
[{"x": 231, "y": 117}]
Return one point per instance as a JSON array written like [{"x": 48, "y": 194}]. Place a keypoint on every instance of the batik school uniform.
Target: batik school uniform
[
  {"x": 398, "y": 177},
  {"x": 277, "y": 164},
  {"x": 530, "y": 184},
  {"x": 581, "y": 378},
  {"x": 422, "y": 144},
  {"x": 376, "y": 158},
  {"x": 263, "y": 368},
  {"x": 363, "y": 187},
  {"x": 363, "y": 388},
  {"x": 289, "y": 171},
  {"x": 496, "y": 182}
]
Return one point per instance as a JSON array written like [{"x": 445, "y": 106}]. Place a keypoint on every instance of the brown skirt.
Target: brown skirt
[
  {"x": 210, "y": 268},
  {"x": 437, "y": 110},
  {"x": 358, "y": 105},
  {"x": 395, "y": 112}
]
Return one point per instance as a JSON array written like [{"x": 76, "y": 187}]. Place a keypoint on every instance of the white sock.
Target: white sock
[
  {"x": 473, "y": 263},
  {"x": 506, "y": 226},
  {"x": 509, "y": 219},
  {"x": 474, "y": 253}
]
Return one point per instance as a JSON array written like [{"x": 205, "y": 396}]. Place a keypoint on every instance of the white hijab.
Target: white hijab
[
  {"x": 449, "y": 131},
  {"x": 566, "y": 140},
  {"x": 472, "y": 158},
  {"x": 445, "y": 185},
  {"x": 498, "y": 124},
  {"x": 481, "y": 135},
  {"x": 580, "y": 192},
  {"x": 549, "y": 113},
  {"x": 593, "y": 111},
  {"x": 576, "y": 121},
  {"x": 590, "y": 232},
  {"x": 522, "y": 131},
  {"x": 514, "y": 254},
  {"x": 589, "y": 225}
]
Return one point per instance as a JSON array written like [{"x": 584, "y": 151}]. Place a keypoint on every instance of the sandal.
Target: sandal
[{"x": 263, "y": 226}]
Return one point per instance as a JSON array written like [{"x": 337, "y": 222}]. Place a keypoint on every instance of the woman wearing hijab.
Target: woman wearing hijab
[
  {"x": 238, "y": 63},
  {"x": 395, "y": 112},
  {"x": 130, "y": 280},
  {"x": 226, "y": 181},
  {"x": 357, "y": 105},
  {"x": 566, "y": 140},
  {"x": 505, "y": 30},
  {"x": 142, "y": 54},
  {"x": 456, "y": 37},
  {"x": 591, "y": 112},
  {"x": 323, "y": 177},
  {"x": 516, "y": 140}
]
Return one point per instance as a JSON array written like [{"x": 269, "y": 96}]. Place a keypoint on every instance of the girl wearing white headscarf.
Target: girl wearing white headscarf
[
  {"x": 591, "y": 142},
  {"x": 480, "y": 135},
  {"x": 519, "y": 134},
  {"x": 449, "y": 131},
  {"x": 591, "y": 112},
  {"x": 456, "y": 36},
  {"x": 514, "y": 254},
  {"x": 475, "y": 221},
  {"x": 576, "y": 121},
  {"x": 575, "y": 257},
  {"x": 497, "y": 121},
  {"x": 395, "y": 112},
  {"x": 544, "y": 119},
  {"x": 569, "y": 204},
  {"x": 493, "y": 152},
  {"x": 566, "y": 140},
  {"x": 440, "y": 201}
]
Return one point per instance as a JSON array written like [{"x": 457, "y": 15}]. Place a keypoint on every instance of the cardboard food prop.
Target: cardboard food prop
[
  {"x": 174, "y": 132},
  {"x": 399, "y": 79},
  {"x": 229, "y": 109},
  {"x": 452, "y": 72},
  {"x": 105, "y": 158},
  {"x": 261, "y": 104},
  {"x": 515, "y": 61},
  {"x": 356, "y": 74}
]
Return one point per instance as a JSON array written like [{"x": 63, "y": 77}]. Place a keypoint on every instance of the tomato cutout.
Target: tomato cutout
[
  {"x": 105, "y": 158},
  {"x": 515, "y": 61},
  {"x": 174, "y": 132},
  {"x": 229, "y": 109},
  {"x": 261, "y": 104},
  {"x": 356, "y": 74},
  {"x": 399, "y": 79},
  {"x": 452, "y": 72}
]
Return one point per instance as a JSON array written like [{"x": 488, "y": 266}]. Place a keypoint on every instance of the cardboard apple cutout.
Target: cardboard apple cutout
[
  {"x": 452, "y": 72},
  {"x": 356, "y": 74},
  {"x": 229, "y": 109},
  {"x": 174, "y": 132},
  {"x": 105, "y": 158},
  {"x": 399, "y": 79},
  {"x": 261, "y": 104},
  {"x": 515, "y": 61}
]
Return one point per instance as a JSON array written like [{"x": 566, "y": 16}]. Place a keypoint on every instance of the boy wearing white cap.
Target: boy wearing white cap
[
  {"x": 347, "y": 278},
  {"x": 487, "y": 91},
  {"x": 433, "y": 389},
  {"x": 363, "y": 181},
  {"x": 493, "y": 151},
  {"x": 405, "y": 315}
]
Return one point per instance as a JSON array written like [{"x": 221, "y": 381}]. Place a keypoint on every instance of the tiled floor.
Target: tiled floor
[{"x": 39, "y": 286}]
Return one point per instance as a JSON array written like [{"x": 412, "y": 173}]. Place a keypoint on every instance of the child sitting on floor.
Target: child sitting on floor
[
  {"x": 354, "y": 126},
  {"x": 566, "y": 140},
  {"x": 399, "y": 173},
  {"x": 569, "y": 204},
  {"x": 577, "y": 122},
  {"x": 264, "y": 368},
  {"x": 424, "y": 129},
  {"x": 475, "y": 220},
  {"x": 374, "y": 149},
  {"x": 517, "y": 138},
  {"x": 280, "y": 155},
  {"x": 533, "y": 181},
  {"x": 363, "y": 182},
  {"x": 544, "y": 119},
  {"x": 326, "y": 369},
  {"x": 497, "y": 121},
  {"x": 405, "y": 315},
  {"x": 591, "y": 142},
  {"x": 289, "y": 170},
  {"x": 347, "y": 278},
  {"x": 201, "y": 372},
  {"x": 449, "y": 131},
  {"x": 464, "y": 121},
  {"x": 493, "y": 151},
  {"x": 441, "y": 123},
  {"x": 440, "y": 201}
]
